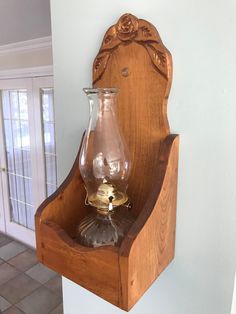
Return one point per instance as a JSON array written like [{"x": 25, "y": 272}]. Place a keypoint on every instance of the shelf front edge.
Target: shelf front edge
[{"x": 149, "y": 246}]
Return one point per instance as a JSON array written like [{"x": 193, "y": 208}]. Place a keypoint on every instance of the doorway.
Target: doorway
[{"x": 27, "y": 153}]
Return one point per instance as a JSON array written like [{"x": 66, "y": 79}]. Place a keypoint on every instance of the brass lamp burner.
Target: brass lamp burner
[{"x": 107, "y": 197}]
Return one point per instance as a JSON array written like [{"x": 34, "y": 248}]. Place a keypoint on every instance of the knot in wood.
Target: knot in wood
[{"x": 125, "y": 72}]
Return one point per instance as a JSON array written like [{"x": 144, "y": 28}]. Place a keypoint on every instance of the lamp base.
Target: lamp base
[{"x": 102, "y": 228}]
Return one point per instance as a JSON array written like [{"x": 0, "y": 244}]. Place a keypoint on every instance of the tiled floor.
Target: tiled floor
[{"x": 26, "y": 286}]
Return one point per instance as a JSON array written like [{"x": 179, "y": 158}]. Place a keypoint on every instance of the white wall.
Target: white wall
[
  {"x": 22, "y": 20},
  {"x": 38, "y": 57},
  {"x": 233, "y": 309},
  {"x": 201, "y": 37}
]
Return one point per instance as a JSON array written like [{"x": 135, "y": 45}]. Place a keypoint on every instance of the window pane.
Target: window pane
[
  {"x": 30, "y": 216},
  {"x": 18, "y": 162},
  {"x": 22, "y": 214},
  {"x": 25, "y": 138},
  {"x": 51, "y": 189},
  {"x": 28, "y": 191},
  {"x": 50, "y": 169},
  {"x": 12, "y": 186},
  {"x": 26, "y": 163},
  {"x": 23, "y": 108},
  {"x": 49, "y": 140},
  {"x": 8, "y": 134},
  {"x": 20, "y": 188},
  {"x": 15, "y": 125},
  {"x": 6, "y": 105},
  {"x": 14, "y": 104},
  {"x": 17, "y": 142},
  {"x": 14, "y": 210},
  {"x": 47, "y": 104}
]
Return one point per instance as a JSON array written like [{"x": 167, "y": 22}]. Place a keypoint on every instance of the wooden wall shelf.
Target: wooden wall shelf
[{"x": 132, "y": 58}]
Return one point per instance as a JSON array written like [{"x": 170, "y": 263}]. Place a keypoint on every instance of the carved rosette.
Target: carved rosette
[
  {"x": 131, "y": 29},
  {"x": 127, "y": 27}
]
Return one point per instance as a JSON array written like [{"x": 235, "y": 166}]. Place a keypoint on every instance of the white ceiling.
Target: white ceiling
[{"x": 23, "y": 20}]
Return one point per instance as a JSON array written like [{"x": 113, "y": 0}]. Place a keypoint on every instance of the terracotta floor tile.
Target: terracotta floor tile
[
  {"x": 26, "y": 286},
  {"x": 7, "y": 272},
  {"x": 4, "y": 240},
  {"x": 41, "y": 273},
  {"x": 4, "y": 304},
  {"x": 55, "y": 285},
  {"x": 39, "y": 302},
  {"x": 11, "y": 249},
  {"x": 57, "y": 310},
  {"x": 18, "y": 288},
  {"x": 13, "y": 310},
  {"x": 24, "y": 261}
]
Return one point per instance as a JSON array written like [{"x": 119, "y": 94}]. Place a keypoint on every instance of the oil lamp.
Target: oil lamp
[{"x": 105, "y": 167}]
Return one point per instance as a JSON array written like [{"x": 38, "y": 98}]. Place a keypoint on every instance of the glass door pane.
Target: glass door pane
[
  {"x": 49, "y": 139},
  {"x": 18, "y": 156}
]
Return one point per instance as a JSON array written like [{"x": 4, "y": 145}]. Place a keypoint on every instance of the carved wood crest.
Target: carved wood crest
[{"x": 127, "y": 30}]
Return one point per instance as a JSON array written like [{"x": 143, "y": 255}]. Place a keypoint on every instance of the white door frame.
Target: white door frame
[
  {"x": 15, "y": 230},
  {"x": 6, "y": 225}
]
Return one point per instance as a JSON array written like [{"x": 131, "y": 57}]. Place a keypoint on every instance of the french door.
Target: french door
[{"x": 27, "y": 153}]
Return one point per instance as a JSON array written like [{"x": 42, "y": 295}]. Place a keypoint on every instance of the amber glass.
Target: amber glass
[{"x": 105, "y": 168}]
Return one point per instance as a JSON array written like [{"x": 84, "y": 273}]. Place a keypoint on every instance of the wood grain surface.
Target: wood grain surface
[
  {"x": 135, "y": 45},
  {"x": 133, "y": 58}
]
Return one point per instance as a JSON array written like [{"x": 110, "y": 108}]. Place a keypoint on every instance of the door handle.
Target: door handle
[{"x": 3, "y": 169}]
